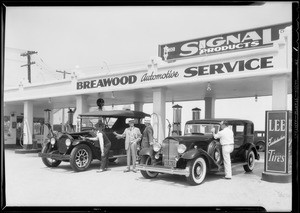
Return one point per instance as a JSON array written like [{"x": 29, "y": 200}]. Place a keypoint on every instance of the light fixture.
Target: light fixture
[
  {"x": 208, "y": 88},
  {"x": 255, "y": 98}
]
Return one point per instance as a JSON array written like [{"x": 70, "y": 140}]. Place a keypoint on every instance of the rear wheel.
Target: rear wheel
[
  {"x": 81, "y": 157},
  {"x": 260, "y": 146},
  {"x": 49, "y": 161},
  {"x": 197, "y": 169},
  {"x": 250, "y": 162},
  {"x": 214, "y": 151},
  {"x": 147, "y": 174}
]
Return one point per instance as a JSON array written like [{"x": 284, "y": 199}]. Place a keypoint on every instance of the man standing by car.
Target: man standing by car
[
  {"x": 147, "y": 137},
  {"x": 227, "y": 142},
  {"x": 104, "y": 143},
  {"x": 132, "y": 136}
]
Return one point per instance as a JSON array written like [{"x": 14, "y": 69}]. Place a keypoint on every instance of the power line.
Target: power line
[
  {"x": 29, "y": 63},
  {"x": 64, "y": 72}
]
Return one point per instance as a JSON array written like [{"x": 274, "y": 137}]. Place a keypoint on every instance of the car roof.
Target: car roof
[
  {"x": 218, "y": 120},
  {"x": 116, "y": 113}
]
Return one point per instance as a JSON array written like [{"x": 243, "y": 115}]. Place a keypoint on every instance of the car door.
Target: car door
[{"x": 238, "y": 132}]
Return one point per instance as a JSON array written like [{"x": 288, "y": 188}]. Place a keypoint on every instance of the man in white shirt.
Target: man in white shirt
[
  {"x": 104, "y": 143},
  {"x": 132, "y": 136},
  {"x": 227, "y": 142}
]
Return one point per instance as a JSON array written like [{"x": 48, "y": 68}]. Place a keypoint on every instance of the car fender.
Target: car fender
[
  {"x": 146, "y": 151},
  {"x": 191, "y": 154},
  {"x": 248, "y": 147},
  {"x": 76, "y": 142},
  {"x": 194, "y": 153}
]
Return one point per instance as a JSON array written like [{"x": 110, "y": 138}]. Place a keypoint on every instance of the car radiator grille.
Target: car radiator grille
[
  {"x": 169, "y": 149},
  {"x": 61, "y": 145}
]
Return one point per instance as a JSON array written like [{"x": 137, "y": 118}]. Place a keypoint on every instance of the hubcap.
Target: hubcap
[
  {"x": 81, "y": 158},
  {"x": 198, "y": 170},
  {"x": 217, "y": 156},
  {"x": 251, "y": 161}
]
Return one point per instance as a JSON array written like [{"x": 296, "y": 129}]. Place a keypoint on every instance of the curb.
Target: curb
[{"x": 25, "y": 151}]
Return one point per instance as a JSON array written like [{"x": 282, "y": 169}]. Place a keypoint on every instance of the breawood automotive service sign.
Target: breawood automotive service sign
[
  {"x": 278, "y": 141},
  {"x": 235, "y": 41},
  {"x": 222, "y": 68}
]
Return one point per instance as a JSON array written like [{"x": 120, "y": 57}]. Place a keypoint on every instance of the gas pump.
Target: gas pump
[
  {"x": 176, "y": 120},
  {"x": 47, "y": 131},
  {"x": 10, "y": 127},
  {"x": 196, "y": 116},
  {"x": 70, "y": 126},
  {"x": 196, "y": 113}
]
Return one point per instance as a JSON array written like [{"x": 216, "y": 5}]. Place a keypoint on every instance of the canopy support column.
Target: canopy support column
[{"x": 159, "y": 113}]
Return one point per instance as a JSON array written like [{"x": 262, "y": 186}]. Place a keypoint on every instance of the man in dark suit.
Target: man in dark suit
[{"x": 147, "y": 138}]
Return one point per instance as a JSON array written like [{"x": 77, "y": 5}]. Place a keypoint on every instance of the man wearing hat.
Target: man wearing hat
[
  {"x": 132, "y": 136},
  {"x": 105, "y": 145},
  {"x": 227, "y": 142},
  {"x": 147, "y": 137}
]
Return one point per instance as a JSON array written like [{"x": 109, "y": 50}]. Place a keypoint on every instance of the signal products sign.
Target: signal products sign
[
  {"x": 278, "y": 156},
  {"x": 236, "y": 41}
]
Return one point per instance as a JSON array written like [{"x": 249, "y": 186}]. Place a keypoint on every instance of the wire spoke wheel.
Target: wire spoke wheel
[{"x": 81, "y": 157}]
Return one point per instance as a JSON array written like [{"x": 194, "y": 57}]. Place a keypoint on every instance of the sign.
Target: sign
[
  {"x": 136, "y": 79},
  {"x": 223, "y": 43},
  {"x": 180, "y": 74},
  {"x": 278, "y": 141},
  {"x": 228, "y": 67},
  {"x": 107, "y": 82}
]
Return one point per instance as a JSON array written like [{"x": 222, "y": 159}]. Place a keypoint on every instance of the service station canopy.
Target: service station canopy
[{"x": 236, "y": 65}]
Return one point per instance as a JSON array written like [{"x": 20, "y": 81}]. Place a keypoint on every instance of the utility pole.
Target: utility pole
[
  {"x": 64, "y": 72},
  {"x": 29, "y": 63}
]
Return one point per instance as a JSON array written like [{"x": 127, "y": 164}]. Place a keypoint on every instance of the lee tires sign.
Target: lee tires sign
[{"x": 278, "y": 156}]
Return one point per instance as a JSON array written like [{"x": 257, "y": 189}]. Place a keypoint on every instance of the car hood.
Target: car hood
[{"x": 192, "y": 139}]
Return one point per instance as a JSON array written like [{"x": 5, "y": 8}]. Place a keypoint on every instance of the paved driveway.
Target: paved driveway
[{"x": 30, "y": 183}]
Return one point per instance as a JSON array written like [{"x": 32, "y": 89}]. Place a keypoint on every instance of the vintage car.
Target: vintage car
[
  {"x": 259, "y": 140},
  {"x": 197, "y": 152},
  {"x": 71, "y": 147}
]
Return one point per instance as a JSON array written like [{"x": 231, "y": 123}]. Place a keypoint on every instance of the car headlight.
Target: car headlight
[
  {"x": 156, "y": 147},
  {"x": 181, "y": 148},
  {"x": 68, "y": 142},
  {"x": 52, "y": 141}
]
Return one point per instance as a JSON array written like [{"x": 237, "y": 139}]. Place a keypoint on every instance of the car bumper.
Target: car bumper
[
  {"x": 162, "y": 169},
  {"x": 54, "y": 156}
]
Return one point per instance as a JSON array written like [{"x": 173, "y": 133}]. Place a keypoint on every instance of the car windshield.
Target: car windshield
[
  {"x": 194, "y": 129},
  {"x": 110, "y": 122}
]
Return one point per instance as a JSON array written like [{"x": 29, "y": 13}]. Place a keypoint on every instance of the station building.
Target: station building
[{"x": 246, "y": 63}]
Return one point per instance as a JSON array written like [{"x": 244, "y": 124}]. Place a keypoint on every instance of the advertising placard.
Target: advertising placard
[
  {"x": 277, "y": 157},
  {"x": 222, "y": 43}
]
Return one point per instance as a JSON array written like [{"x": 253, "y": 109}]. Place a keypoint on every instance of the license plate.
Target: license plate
[{"x": 170, "y": 163}]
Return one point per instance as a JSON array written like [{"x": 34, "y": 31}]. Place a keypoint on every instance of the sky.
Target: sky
[{"x": 115, "y": 37}]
